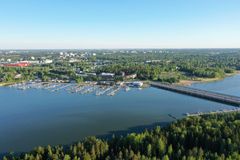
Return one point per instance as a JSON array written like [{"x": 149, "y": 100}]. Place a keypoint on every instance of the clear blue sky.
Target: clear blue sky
[{"x": 35, "y": 24}]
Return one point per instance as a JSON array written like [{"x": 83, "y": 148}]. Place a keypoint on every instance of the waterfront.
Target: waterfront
[{"x": 38, "y": 117}]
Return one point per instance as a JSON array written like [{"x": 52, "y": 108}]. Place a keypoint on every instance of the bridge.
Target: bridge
[{"x": 209, "y": 95}]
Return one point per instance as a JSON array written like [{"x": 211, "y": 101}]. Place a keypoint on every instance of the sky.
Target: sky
[{"x": 78, "y": 24}]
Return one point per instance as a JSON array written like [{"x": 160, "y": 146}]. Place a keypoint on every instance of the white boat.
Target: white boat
[{"x": 127, "y": 89}]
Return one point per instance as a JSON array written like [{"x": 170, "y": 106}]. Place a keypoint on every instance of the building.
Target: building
[
  {"x": 18, "y": 64},
  {"x": 135, "y": 84},
  {"x": 18, "y": 76},
  {"x": 47, "y": 61},
  {"x": 131, "y": 76},
  {"x": 107, "y": 75}
]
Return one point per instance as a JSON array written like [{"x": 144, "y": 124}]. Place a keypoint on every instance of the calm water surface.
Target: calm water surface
[
  {"x": 39, "y": 117},
  {"x": 230, "y": 85}
]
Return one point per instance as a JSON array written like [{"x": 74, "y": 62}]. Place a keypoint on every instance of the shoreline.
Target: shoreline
[
  {"x": 205, "y": 80},
  {"x": 237, "y": 109},
  {"x": 7, "y": 84}
]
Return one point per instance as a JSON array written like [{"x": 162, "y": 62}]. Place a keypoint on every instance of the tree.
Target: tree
[
  {"x": 67, "y": 157},
  {"x": 170, "y": 150},
  {"x": 161, "y": 147},
  {"x": 149, "y": 150},
  {"x": 165, "y": 157}
]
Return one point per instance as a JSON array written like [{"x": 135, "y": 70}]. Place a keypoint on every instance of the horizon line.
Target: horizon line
[{"x": 116, "y": 48}]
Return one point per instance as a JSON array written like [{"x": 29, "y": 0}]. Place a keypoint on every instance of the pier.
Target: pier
[{"x": 209, "y": 95}]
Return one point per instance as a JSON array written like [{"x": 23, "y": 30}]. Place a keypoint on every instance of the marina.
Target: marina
[{"x": 85, "y": 88}]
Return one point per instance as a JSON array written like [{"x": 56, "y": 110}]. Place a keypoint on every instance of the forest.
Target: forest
[
  {"x": 213, "y": 136},
  {"x": 173, "y": 66}
]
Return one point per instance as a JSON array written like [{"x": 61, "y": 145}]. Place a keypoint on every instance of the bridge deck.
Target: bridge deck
[{"x": 213, "y": 96}]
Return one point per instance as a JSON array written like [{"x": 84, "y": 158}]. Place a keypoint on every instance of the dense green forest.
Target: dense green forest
[
  {"x": 215, "y": 136},
  {"x": 174, "y": 66}
]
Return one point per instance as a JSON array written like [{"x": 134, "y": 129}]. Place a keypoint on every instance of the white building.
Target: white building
[
  {"x": 47, "y": 61},
  {"x": 107, "y": 74}
]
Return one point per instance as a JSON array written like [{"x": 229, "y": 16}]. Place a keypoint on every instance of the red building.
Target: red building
[{"x": 18, "y": 64}]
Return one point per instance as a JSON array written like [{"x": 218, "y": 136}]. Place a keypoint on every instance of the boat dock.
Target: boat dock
[
  {"x": 98, "y": 90},
  {"x": 209, "y": 95},
  {"x": 83, "y": 88}
]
